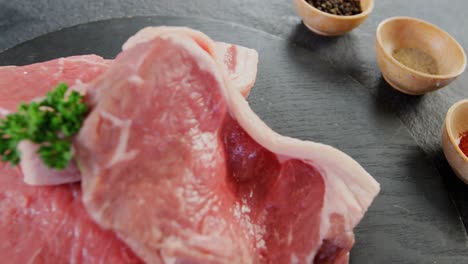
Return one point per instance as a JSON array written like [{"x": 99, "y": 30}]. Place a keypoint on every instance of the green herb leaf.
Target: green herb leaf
[{"x": 50, "y": 123}]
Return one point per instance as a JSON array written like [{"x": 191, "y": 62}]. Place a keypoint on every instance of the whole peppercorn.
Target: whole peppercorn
[{"x": 338, "y": 7}]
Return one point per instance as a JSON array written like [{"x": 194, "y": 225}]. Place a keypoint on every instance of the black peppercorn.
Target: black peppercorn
[{"x": 338, "y": 7}]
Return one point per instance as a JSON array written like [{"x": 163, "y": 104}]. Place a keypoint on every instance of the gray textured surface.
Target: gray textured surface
[
  {"x": 352, "y": 53},
  {"x": 411, "y": 221}
]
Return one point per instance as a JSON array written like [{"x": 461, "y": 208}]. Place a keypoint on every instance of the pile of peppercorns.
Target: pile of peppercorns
[{"x": 338, "y": 7}]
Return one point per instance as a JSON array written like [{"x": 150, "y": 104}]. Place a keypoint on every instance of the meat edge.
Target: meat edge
[{"x": 349, "y": 189}]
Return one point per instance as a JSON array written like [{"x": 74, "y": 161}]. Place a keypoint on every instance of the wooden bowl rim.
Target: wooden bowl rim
[
  {"x": 404, "y": 67},
  {"x": 448, "y": 126}
]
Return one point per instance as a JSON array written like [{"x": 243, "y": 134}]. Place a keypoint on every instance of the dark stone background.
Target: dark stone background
[{"x": 353, "y": 53}]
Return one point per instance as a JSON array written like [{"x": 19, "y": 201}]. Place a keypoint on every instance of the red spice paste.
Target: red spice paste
[{"x": 464, "y": 143}]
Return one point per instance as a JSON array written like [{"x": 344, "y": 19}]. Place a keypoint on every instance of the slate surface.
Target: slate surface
[
  {"x": 412, "y": 220},
  {"x": 352, "y": 53}
]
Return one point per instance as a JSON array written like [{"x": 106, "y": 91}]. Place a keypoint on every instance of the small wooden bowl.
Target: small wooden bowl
[
  {"x": 405, "y": 32},
  {"x": 456, "y": 123},
  {"x": 326, "y": 24}
]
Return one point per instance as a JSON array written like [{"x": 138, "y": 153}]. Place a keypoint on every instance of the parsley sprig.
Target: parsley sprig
[{"x": 50, "y": 123}]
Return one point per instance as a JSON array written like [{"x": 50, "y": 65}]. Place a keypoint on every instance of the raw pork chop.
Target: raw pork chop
[
  {"x": 26, "y": 83},
  {"x": 177, "y": 164},
  {"x": 240, "y": 65},
  {"x": 49, "y": 224}
]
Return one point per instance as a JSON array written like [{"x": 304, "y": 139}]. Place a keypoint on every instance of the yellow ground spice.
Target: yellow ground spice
[{"x": 417, "y": 60}]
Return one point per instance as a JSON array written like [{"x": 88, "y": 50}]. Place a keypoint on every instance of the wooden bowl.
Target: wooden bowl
[
  {"x": 456, "y": 123},
  {"x": 326, "y": 24},
  {"x": 405, "y": 32}
]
